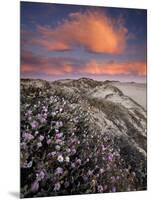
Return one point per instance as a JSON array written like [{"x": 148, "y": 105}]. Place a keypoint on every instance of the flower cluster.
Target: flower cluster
[{"x": 60, "y": 155}]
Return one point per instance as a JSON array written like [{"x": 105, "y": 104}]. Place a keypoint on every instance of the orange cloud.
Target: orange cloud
[
  {"x": 51, "y": 46},
  {"x": 35, "y": 64},
  {"x": 93, "y": 31},
  {"x": 115, "y": 68}
]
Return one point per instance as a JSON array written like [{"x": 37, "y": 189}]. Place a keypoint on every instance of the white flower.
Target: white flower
[
  {"x": 39, "y": 144},
  {"x": 68, "y": 150},
  {"x": 36, "y": 132},
  {"x": 57, "y": 147},
  {"x": 41, "y": 137},
  {"x": 60, "y": 158},
  {"x": 67, "y": 159}
]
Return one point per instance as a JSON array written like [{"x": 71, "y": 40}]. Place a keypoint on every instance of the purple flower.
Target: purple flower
[
  {"x": 27, "y": 136},
  {"x": 110, "y": 157},
  {"x": 29, "y": 112},
  {"x": 53, "y": 153},
  {"x": 59, "y": 135},
  {"x": 48, "y": 141},
  {"x": 42, "y": 120},
  {"x": 34, "y": 124},
  {"x": 58, "y": 171},
  {"x": 57, "y": 187},
  {"x": 40, "y": 176},
  {"x": 35, "y": 186},
  {"x": 78, "y": 161},
  {"x": 113, "y": 189}
]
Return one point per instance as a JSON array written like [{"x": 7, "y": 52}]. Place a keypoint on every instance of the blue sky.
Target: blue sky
[{"x": 71, "y": 41}]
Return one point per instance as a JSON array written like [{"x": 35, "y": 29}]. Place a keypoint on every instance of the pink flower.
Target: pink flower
[
  {"x": 110, "y": 157},
  {"x": 59, "y": 135},
  {"x": 48, "y": 141}
]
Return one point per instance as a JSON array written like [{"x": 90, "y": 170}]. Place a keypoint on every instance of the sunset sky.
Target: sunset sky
[{"x": 69, "y": 41}]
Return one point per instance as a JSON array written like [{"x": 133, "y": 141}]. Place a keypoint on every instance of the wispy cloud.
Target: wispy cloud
[{"x": 61, "y": 66}]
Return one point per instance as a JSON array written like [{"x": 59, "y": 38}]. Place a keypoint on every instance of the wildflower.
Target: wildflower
[
  {"x": 48, "y": 141},
  {"x": 78, "y": 161},
  {"x": 59, "y": 135},
  {"x": 68, "y": 150},
  {"x": 58, "y": 141},
  {"x": 73, "y": 165},
  {"x": 90, "y": 172},
  {"x": 60, "y": 158},
  {"x": 41, "y": 137},
  {"x": 40, "y": 176},
  {"x": 53, "y": 114},
  {"x": 67, "y": 159},
  {"x": 36, "y": 132},
  {"x": 27, "y": 136},
  {"x": 39, "y": 144},
  {"x": 34, "y": 124},
  {"x": 113, "y": 189},
  {"x": 29, "y": 118},
  {"x": 29, "y": 112},
  {"x": 35, "y": 186},
  {"x": 101, "y": 171},
  {"x": 100, "y": 188},
  {"x": 60, "y": 110},
  {"x": 57, "y": 187},
  {"x": 57, "y": 147},
  {"x": 53, "y": 153},
  {"x": 42, "y": 120},
  {"x": 110, "y": 157},
  {"x": 59, "y": 170}
]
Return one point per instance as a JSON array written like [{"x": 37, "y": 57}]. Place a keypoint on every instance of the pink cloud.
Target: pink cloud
[
  {"x": 115, "y": 68},
  {"x": 61, "y": 66},
  {"x": 93, "y": 31}
]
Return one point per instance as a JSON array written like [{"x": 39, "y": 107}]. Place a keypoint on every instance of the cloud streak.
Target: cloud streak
[{"x": 32, "y": 64}]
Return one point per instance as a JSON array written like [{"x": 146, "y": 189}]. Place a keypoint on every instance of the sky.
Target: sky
[{"x": 71, "y": 41}]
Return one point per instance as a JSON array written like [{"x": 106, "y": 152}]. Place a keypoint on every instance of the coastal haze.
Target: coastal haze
[{"x": 83, "y": 100}]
